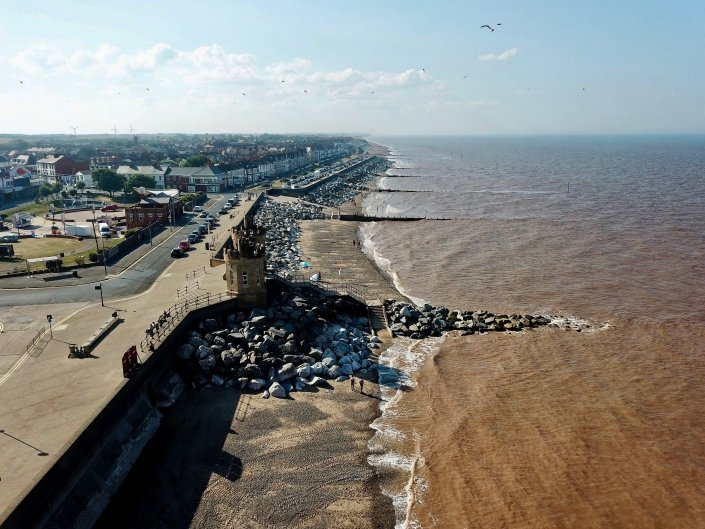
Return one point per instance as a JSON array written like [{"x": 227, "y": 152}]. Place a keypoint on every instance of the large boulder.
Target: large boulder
[
  {"x": 346, "y": 369},
  {"x": 207, "y": 363},
  {"x": 287, "y": 371},
  {"x": 203, "y": 351},
  {"x": 256, "y": 384},
  {"x": 318, "y": 368},
  {"x": 334, "y": 372},
  {"x": 304, "y": 371},
  {"x": 211, "y": 325},
  {"x": 253, "y": 371},
  {"x": 277, "y": 390},
  {"x": 185, "y": 352}
]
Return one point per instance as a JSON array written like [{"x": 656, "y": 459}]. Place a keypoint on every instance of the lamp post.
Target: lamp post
[{"x": 51, "y": 333}]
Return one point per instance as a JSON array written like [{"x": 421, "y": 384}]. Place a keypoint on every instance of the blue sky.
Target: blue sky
[{"x": 382, "y": 67}]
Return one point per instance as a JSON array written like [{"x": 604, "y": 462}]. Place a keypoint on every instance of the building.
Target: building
[
  {"x": 193, "y": 179},
  {"x": 245, "y": 265},
  {"x": 155, "y": 205},
  {"x": 156, "y": 171},
  {"x": 60, "y": 168}
]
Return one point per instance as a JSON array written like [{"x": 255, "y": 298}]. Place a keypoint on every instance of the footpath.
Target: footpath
[{"x": 47, "y": 398}]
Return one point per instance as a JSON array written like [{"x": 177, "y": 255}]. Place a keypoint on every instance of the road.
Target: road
[{"x": 125, "y": 278}]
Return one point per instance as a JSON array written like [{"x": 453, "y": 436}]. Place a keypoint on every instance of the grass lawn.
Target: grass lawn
[
  {"x": 73, "y": 249},
  {"x": 35, "y": 209}
]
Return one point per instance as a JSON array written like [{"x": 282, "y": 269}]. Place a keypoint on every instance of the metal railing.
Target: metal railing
[
  {"x": 196, "y": 273},
  {"x": 358, "y": 292},
  {"x": 36, "y": 338},
  {"x": 172, "y": 316},
  {"x": 183, "y": 291}
]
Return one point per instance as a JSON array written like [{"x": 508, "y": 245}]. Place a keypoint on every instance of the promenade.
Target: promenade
[{"x": 47, "y": 398}]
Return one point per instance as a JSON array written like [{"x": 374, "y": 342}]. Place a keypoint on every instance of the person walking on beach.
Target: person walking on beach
[
  {"x": 362, "y": 383},
  {"x": 352, "y": 383}
]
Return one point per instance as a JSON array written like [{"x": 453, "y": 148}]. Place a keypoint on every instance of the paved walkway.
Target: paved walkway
[{"x": 46, "y": 398}]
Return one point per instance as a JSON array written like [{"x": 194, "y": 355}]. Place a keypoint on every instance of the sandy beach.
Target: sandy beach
[{"x": 232, "y": 459}]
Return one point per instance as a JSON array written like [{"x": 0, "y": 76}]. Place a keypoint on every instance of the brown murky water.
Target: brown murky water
[{"x": 550, "y": 428}]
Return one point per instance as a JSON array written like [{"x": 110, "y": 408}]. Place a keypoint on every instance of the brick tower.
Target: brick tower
[{"x": 245, "y": 265}]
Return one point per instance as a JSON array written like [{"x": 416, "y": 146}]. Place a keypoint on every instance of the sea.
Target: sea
[{"x": 547, "y": 428}]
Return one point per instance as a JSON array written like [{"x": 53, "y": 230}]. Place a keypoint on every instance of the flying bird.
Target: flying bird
[
  {"x": 487, "y": 26},
  {"x": 21, "y": 81},
  {"x": 465, "y": 76},
  {"x": 306, "y": 91},
  {"x": 244, "y": 93},
  {"x": 283, "y": 81},
  {"x": 373, "y": 91},
  {"x": 148, "y": 90}
]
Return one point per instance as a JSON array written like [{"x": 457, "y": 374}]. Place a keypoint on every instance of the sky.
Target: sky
[{"x": 383, "y": 67}]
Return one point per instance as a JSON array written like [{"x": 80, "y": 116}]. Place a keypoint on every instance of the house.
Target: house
[
  {"x": 155, "y": 205},
  {"x": 84, "y": 176},
  {"x": 59, "y": 168},
  {"x": 159, "y": 173},
  {"x": 193, "y": 179}
]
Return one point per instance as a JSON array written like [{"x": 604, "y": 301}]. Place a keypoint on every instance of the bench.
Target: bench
[{"x": 84, "y": 350}]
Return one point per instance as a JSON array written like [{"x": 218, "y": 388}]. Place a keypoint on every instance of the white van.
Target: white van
[{"x": 104, "y": 230}]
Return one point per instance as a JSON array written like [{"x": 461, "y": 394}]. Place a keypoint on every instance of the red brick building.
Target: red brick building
[{"x": 154, "y": 207}]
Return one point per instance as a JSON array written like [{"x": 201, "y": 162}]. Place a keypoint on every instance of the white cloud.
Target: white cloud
[{"x": 504, "y": 56}]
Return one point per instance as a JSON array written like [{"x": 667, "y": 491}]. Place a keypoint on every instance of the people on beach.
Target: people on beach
[
  {"x": 362, "y": 383},
  {"x": 352, "y": 383}
]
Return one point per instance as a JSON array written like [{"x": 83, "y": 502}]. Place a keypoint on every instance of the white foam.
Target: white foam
[{"x": 397, "y": 365}]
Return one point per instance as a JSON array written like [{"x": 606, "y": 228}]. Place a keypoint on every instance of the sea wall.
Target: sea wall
[{"x": 76, "y": 489}]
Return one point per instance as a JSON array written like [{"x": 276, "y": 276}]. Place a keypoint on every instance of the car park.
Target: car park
[{"x": 177, "y": 252}]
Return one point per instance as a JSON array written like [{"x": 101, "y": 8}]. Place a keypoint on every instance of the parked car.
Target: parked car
[
  {"x": 203, "y": 215},
  {"x": 10, "y": 237},
  {"x": 109, "y": 207},
  {"x": 177, "y": 252},
  {"x": 184, "y": 245},
  {"x": 197, "y": 208},
  {"x": 222, "y": 211},
  {"x": 203, "y": 229},
  {"x": 196, "y": 234},
  {"x": 192, "y": 239}
]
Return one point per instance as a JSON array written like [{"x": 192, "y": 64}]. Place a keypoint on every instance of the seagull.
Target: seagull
[
  {"x": 488, "y": 27},
  {"x": 243, "y": 93},
  {"x": 21, "y": 81},
  {"x": 465, "y": 76},
  {"x": 148, "y": 90},
  {"x": 306, "y": 91},
  {"x": 283, "y": 81},
  {"x": 373, "y": 91}
]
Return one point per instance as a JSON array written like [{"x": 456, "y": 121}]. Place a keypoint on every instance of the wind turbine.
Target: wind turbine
[
  {"x": 131, "y": 129},
  {"x": 74, "y": 130},
  {"x": 114, "y": 129}
]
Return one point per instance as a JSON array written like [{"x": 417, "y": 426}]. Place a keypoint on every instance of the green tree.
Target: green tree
[
  {"x": 108, "y": 180},
  {"x": 73, "y": 192},
  {"x": 199, "y": 160},
  {"x": 46, "y": 190},
  {"x": 57, "y": 187},
  {"x": 140, "y": 180},
  {"x": 80, "y": 185}
]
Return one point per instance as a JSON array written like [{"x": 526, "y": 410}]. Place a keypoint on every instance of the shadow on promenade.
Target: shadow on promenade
[{"x": 166, "y": 485}]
